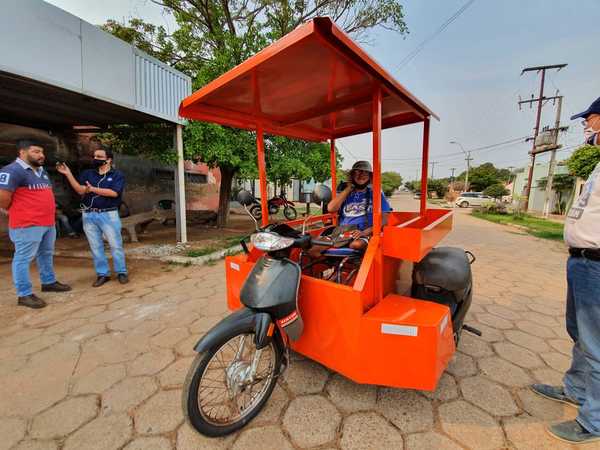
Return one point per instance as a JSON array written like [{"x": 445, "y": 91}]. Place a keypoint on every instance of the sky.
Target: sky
[{"x": 469, "y": 75}]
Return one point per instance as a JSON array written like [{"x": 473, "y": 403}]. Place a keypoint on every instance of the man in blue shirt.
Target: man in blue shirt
[
  {"x": 355, "y": 204},
  {"x": 101, "y": 189}
]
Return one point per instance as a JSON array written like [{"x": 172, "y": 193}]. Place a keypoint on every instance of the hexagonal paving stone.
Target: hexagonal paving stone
[
  {"x": 169, "y": 337},
  {"x": 557, "y": 361},
  {"x": 190, "y": 439},
  {"x": 306, "y": 377},
  {"x": 562, "y": 345},
  {"x": 518, "y": 355},
  {"x": 544, "y": 320},
  {"x": 35, "y": 345},
  {"x": 150, "y": 363},
  {"x": 446, "y": 389},
  {"x": 64, "y": 418},
  {"x": 87, "y": 331},
  {"x": 430, "y": 441},
  {"x": 535, "y": 329},
  {"x": 271, "y": 413},
  {"x": 65, "y": 326},
  {"x": 20, "y": 337},
  {"x": 470, "y": 426},
  {"x": 526, "y": 433},
  {"x": 504, "y": 312},
  {"x": 99, "y": 380},
  {"x": 494, "y": 321},
  {"x": 186, "y": 347},
  {"x": 350, "y": 396},
  {"x": 548, "y": 376},
  {"x": 36, "y": 445},
  {"x": 504, "y": 372},
  {"x": 102, "y": 433},
  {"x": 311, "y": 420},
  {"x": 528, "y": 341},
  {"x": 362, "y": 430},
  {"x": 149, "y": 443},
  {"x": 160, "y": 414},
  {"x": 488, "y": 334},
  {"x": 174, "y": 375},
  {"x": 489, "y": 396},
  {"x": 265, "y": 438},
  {"x": 473, "y": 346},
  {"x": 407, "y": 409},
  {"x": 461, "y": 365},
  {"x": 12, "y": 431},
  {"x": 543, "y": 408},
  {"x": 128, "y": 393}
]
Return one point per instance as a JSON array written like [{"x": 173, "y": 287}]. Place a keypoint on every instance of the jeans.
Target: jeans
[
  {"x": 582, "y": 380},
  {"x": 96, "y": 224},
  {"x": 32, "y": 242}
]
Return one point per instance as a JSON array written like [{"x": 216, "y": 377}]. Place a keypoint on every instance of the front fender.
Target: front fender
[{"x": 238, "y": 322}]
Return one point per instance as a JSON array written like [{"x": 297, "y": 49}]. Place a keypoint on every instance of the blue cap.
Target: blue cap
[{"x": 593, "y": 109}]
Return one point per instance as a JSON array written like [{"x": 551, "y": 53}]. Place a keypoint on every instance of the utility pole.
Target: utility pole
[
  {"x": 536, "y": 130},
  {"x": 433, "y": 163},
  {"x": 468, "y": 159},
  {"x": 555, "y": 131},
  {"x": 452, "y": 178}
]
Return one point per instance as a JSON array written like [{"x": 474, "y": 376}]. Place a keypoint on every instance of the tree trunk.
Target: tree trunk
[{"x": 227, "y": 174}]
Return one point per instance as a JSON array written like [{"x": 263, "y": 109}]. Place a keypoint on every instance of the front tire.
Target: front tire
[
  {"x": 207, "y": 382},
  {"x": 464, "y": 204},
  {"x": 290, "y": 212}
]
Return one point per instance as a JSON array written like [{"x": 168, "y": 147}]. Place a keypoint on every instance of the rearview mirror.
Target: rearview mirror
[
  {"x": 321, "y": 194},
  {"x": 245, "y": 197}
]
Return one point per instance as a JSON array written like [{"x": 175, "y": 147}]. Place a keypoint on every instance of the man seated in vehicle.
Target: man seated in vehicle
[{"x": 355, "y": 206}]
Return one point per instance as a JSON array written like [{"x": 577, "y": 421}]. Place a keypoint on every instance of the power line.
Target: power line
[{"x": 432, "y": 36}]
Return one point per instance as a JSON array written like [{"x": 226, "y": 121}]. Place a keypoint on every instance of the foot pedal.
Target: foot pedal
[{"x": 472, "y": 330}]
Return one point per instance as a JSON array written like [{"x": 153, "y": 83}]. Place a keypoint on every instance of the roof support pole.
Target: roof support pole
[
  {"x": 180, "y": 215},
  {"x": 378, "y": 260},
  {"x": 333, "y": 165},
  {"x": 424, "y": 166},
  {"x": 262, "y": 174}
]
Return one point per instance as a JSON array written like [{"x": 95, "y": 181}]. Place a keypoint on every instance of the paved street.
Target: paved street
[{"x": 103, "y": 368}]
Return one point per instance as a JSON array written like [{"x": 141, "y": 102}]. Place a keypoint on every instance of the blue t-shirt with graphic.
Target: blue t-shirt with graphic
[{"x": 354, "y": 210}]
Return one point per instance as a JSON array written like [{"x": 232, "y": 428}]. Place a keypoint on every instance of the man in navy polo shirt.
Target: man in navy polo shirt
[
  {"x": 26, "y": 192},
  {"x": 101, "y": 188}
]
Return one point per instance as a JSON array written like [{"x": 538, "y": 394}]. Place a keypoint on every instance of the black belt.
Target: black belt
[
  {"x": 589, "y": 253},
  {"x": 98, "y": 210}
]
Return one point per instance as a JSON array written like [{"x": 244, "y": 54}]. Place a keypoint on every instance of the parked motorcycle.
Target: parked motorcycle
[
  {"x": 274, "y": 204},
  {"x": 239, "y": 359}
]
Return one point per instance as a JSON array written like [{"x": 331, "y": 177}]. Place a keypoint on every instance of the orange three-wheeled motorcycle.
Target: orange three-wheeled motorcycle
[{"x": 342, "y": 308}]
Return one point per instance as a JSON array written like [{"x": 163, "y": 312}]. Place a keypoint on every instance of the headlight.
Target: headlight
[{"x": 269, "y": 242}]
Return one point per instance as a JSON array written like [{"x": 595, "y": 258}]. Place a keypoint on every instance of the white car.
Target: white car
[{"x": 466, "y": 199}]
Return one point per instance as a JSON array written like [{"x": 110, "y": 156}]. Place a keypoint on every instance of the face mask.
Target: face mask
[
  {"x": 98, "y": 163},
  {"x": 589, "y": 135}
]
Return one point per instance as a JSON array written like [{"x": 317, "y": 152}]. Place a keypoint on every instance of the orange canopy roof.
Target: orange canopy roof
[{"x": 315, "y": 83}]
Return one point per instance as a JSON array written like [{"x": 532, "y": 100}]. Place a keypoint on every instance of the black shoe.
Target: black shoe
[
  {"x": 31, "y": 301},
  {"x": 556, "y": 393},
  {"x": 101, "y": 280},
  {"x": 123, "y": 278},
  {"x": 56, "y": 287},
  {"x": 572, "y": 432}
]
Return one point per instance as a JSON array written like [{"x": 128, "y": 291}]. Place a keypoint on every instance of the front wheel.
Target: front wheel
[
  {"x": 256, "y": 212},
  {"x": 290, "y": 212},
  {"x": 464, "y": 204},
  {"x": 221, "y": 394}
]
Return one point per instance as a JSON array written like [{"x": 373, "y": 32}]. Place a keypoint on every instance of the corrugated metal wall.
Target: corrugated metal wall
[{"x": 158, "y": 88}]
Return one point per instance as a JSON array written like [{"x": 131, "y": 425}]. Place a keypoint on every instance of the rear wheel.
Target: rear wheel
[
  {"x": 464, "y": 204},
  {"x": 290, "y": 212},
  {"x": 219, "y": 394},
  {"x": 256, "y": 212}
]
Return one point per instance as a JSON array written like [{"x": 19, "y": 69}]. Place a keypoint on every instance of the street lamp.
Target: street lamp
[{"x": 468, "y": 159}]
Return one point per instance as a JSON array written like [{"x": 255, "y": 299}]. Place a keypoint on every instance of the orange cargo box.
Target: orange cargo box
[{"x": 410, "y": 236}]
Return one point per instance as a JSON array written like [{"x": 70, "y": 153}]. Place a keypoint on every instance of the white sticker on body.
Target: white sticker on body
[
  {"x": 443, "y": 324},
  {"x": 400, "y": 330},
  {"x": 234, "y": 266}
]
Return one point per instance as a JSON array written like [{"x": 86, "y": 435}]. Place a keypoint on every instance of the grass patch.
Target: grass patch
[
  {"x": 541, "y": 228},
  {"x": 220, "y": 244}
]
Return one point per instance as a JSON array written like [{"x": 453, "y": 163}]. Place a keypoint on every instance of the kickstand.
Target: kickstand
[{"x": 472, "y": 330}]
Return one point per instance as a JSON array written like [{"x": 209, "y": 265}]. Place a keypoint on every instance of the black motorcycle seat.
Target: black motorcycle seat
[{"x": 444, "y": 267}]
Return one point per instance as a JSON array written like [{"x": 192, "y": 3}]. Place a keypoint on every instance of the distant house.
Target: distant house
[{"x": 537, "y": 194}]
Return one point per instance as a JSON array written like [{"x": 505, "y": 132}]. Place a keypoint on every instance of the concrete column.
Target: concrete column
[{"x": 180, "y": 188}]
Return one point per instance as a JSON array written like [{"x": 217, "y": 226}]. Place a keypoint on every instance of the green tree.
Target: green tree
[
  {"x": 439, "y": 186},
  {"x": 390, "y": 181},
  {"x": 561, "y": 184},
  {"x": 583, "y": 161},
  {"x": 214, "y": 36},
  {"x": 485, "y": 175},
  {"x": 496, "y": 191}
]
